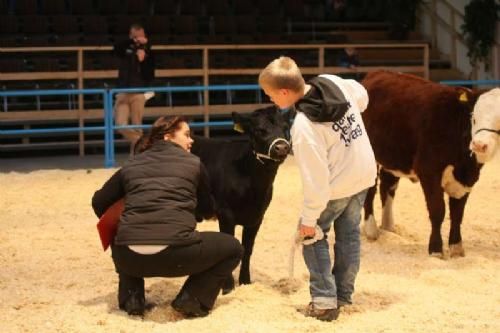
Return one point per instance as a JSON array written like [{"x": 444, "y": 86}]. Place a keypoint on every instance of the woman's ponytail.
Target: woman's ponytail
[{"x": 161, "y": 127}]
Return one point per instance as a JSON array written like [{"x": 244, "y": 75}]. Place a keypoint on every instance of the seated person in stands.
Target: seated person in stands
[
  {"x": 349, "y": 58},
  {"x": 156, "y": 236}
]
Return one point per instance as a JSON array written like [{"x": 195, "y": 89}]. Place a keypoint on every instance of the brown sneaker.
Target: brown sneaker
[{"x": 322, "y": 314}]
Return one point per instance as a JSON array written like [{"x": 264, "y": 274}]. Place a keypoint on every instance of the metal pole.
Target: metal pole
[
  {"x": 111, "y": 128},
  {"x": 108, "y": 130},
  {"x": 81, "y": 137}
]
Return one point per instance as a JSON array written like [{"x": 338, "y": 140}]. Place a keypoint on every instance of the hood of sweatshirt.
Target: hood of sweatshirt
[{"x": 324, "y": 102}]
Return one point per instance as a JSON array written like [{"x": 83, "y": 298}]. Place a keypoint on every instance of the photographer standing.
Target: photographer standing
[{"x": 136, "y": 69}]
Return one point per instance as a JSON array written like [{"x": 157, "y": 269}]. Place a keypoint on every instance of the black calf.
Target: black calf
[{"x": 242, "y": 173}]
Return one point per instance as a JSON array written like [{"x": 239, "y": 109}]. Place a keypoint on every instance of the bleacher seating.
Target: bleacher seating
[
  {"x": 26, "y": 7},
  {"x": 82, "y": 7},
  {"x": 70, "y": 22},
  {"x": 33, "y": 23},
  {"x": 54, "y": 7}
]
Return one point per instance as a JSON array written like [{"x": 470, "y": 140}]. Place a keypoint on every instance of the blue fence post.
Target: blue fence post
[
  {"x": 111, "y": 128},
  {"x": 109, "y": 161},
  {"x": 106, "y": 131}
]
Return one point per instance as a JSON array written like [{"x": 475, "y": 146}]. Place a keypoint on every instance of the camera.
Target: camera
[{"x": 136, "y": 45}]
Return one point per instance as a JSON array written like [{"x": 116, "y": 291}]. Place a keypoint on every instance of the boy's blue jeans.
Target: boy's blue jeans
[{"x": 332, "y": 287}]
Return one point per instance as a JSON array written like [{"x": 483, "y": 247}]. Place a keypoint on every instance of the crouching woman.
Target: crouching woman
[{"x": 164, "y": 187}]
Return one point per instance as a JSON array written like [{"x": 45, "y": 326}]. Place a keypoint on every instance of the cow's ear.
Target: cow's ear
[
  {"x": 463, "y": 97},
  {"x": 240, "y": 122},
  {"x": 468, "y": 98}
]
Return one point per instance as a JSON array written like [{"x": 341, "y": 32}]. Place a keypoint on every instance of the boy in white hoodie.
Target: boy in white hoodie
[{"x": 337, "y": 166}]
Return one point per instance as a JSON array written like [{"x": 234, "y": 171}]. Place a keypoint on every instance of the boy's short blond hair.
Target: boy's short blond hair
[{"x": 282, "y": 73}]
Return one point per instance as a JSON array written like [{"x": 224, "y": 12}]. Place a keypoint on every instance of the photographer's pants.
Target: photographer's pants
[
  {"x": 208, "y": 263},
  {"x": 129, "y": 106}
]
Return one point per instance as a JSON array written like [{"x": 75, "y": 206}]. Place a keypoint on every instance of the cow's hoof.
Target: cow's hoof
[
  {"x": 435, "y": 248},
  {"x": 438, "y": 255},
  {"x": 389, "y": 227},
  {"x": 457, "y": 250},
  {"x": 371, "y": 229}
]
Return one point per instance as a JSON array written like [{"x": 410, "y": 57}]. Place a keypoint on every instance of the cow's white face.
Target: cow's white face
[{"x": 486, "y": 126}]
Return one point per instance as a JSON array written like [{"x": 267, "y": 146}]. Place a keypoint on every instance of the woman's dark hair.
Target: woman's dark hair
[{"x": 162, "y": 126}]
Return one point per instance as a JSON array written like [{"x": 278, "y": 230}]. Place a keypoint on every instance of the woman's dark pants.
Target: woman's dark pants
[{"x": 207, "y": 263}]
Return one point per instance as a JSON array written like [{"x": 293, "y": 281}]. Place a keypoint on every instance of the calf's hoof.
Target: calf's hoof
[
  {"x": 457, "y": 250},
  {"x": 371, "y": 229},
  {"x": 244, "y": 279}
]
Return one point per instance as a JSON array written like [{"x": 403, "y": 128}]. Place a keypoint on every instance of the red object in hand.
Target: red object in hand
[{"x": 108, "y": 223}]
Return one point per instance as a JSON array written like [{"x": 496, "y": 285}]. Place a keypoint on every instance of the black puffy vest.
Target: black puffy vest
[{"x": 160, "y": 186}]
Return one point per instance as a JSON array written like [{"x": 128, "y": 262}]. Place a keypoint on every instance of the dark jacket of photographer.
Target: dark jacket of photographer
[
  {"x": 132, "y": 72},
  {"x": 166, "y": 189}
]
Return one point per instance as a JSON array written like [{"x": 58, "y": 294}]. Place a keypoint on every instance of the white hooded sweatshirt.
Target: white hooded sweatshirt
[{"x": 335, "y": 159}]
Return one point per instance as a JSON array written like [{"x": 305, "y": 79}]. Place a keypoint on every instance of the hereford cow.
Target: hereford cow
[
  {"x": 242, "y": 173},
  {"x": 422, "y": 130}
]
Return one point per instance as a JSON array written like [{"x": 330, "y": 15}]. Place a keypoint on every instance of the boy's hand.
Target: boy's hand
[
  {"x": 141, "y": 54},
  {"x": 306, "y": 231}
]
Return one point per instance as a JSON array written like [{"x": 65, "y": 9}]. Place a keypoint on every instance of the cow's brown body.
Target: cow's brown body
[{"x": 420, "y": 129}]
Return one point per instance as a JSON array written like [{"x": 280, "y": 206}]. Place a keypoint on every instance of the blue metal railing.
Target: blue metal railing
[
  {"x": 187, "y": 88},
  {"x": 10, "y": 93},
  {"x": 52, "y": 130},
  {"x": 108, "y": 94},
  {"x": 109, "y": 128},
  {"x": 110, "y": 147},
  {"x": 53, "y": 92},
  {"x": 471, "y": 82}
]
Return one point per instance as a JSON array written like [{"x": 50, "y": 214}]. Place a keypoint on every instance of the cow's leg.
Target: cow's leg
[
  {"x": 388, "y": 185},
  {"x": 249, "y": 234},
  {"x": 370, "y": 225},
  {"x": 456, "y": 215},
  {"x": 228, "y": 228},
  {"x": 435, "y": 205}
]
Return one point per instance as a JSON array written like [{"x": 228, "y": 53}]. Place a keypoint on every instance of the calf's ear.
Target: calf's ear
[{"x": 241, "y": 122}]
